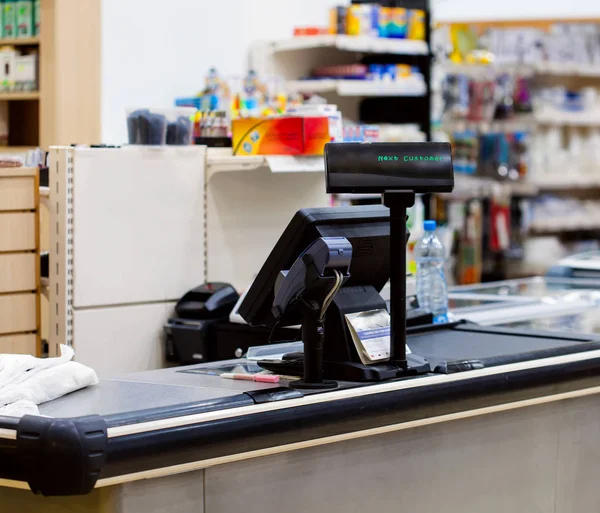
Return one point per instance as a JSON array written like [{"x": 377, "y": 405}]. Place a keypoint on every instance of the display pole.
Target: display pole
[{"x": 398, "y": 202}]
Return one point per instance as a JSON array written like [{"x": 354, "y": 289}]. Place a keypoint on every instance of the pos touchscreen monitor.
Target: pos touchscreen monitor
[
  {"x": 367, "y": 228},
  {"x": 380, "y": 167}
]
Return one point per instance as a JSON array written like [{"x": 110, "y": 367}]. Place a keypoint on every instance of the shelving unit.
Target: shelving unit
[
  {"x": 219, "y": 161},
  {"x": 66, "y": 108},
  {"x": 566, "y": 174},
  {"x": 20, "y": 287},
  {"x": 20, "y": 95},
  {"x": 362, "y": 44},
  {"x": 406, "y": 87},
  {"x": 364, "y": 101},
  {"x": 522, "y": 69},
  {"x": 21, "y": 41}
]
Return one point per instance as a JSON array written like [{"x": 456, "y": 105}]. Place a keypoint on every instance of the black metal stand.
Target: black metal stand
[
  {"x": 313, "y": 334},
  {"x": 398, "y": 202}
]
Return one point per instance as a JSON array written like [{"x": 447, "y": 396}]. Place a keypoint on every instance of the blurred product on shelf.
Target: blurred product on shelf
[
  {"x": 361, "y": 133},
  {"x": 216, "y": 93},
  {"x": 158, "y": 127},
  {"x": 37, "y": 17},
  {"x": 495, "y": 98},
  {"x": 498, "y": 156},
  {"x": 557, "y": 44},
  {"x": 382, "y": 74},
  {"x": 10, "y": 161},
  {"x": 317, "y": 108},
  {"x": 566, "y": 157},
  {"x": 25, "y": 18},
  {"x": 280, "y": 136},
  {"x": 18, "y": 71},
  {"x": 408, "y": 132},
  {"x": 310, "y": 31},
  {"x": 550, "y": 214},
  {"x": 212, "y": 124},
  {"x": 9, "y": 19},
  {"x": 383, "y": 133},
  {"x": 277, "y": 125},
  {"x": 374, "y": 20}
]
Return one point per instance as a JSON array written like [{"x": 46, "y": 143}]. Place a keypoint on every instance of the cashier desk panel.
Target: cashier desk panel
[{"x": 171, "y": 424}]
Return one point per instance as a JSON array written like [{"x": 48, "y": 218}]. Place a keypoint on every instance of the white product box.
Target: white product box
[
  {"x": 7, "y": 69},
  {"x": 25, "y": 72}
]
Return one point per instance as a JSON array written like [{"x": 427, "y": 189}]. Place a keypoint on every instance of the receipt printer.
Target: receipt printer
[{"x": 190, "y": 335}]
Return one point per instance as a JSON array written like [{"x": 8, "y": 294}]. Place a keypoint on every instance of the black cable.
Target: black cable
[{"x": 270, "y": 340}]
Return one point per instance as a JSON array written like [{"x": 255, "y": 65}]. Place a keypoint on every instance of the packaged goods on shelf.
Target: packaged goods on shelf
[
  {"x": 157, "y": 127},
  {"x": 336, "y": 130},
  {"x": 7, "y": 67},
  {"x": 25, "y": 72},
  {"x": 551, "y": 214},
  {"x": 374, "y": 20},
  {"x": 498, "y": 156},
  {"x": 25, "y": 18},
  {"x": 559, "y": 47},
  {"x": 19, "y": 71},
  {"x": 9, "y": 17},
  {"x": 37, "y": 17},
  {"x": 280, "y": 136}
]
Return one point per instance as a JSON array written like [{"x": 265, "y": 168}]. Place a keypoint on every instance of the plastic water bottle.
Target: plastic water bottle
[{"x": 432, "y": 291}]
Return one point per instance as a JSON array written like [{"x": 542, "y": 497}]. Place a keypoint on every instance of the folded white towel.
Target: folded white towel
[{"x": 26, "y": 381}]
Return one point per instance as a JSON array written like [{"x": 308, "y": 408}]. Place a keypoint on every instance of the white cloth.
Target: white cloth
[{"x": 26, "y": 381}]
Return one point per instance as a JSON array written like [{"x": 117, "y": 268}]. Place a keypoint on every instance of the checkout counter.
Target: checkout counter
[{"x": 499, "y": 419}]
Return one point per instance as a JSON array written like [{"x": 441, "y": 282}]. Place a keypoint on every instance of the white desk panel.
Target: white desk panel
[{"x": 138, "y": 224}]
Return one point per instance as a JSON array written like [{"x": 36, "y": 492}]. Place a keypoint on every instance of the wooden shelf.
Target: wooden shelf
[
  {"x": 22, "y": 41},
  {"x": 20, "y": 95},
  {"x": 17, "y": 150}
]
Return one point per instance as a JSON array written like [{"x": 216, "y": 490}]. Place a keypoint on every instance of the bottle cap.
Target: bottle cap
[{"x": 429, "y": 226}]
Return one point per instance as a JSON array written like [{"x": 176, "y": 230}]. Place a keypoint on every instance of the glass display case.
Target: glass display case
[
  {"x": 538, "y": 303},
  {"x": 585, "y": 321},
  {"x": 536, "y": 287}
]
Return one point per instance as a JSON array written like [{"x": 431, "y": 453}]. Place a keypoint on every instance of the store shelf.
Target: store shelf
[
  {"x": 219, "y": 162},
  {"x": 568, "y": 181},
  {"x": 518, "y": 124},
  {"x": 541, "y": 68},
  {"x": 354, "y": 44},
  {"x": 528, "y": 122},
  {"x": 564, "y": 118},
  {"x": 404, "y": 87},
  {"x": 467, "y": 185},
  {"x": 32, "y": 95},
  {"x": 564, "y": 226},
  {"x": 16, "y": 150},
  {"x": 22, "y": 41}
]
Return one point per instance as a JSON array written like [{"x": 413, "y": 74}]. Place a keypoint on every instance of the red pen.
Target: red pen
[{"x": 259, "y": 378}]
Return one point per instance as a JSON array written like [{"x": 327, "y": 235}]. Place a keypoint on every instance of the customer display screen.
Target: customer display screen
[{"x": 379, "y": 167}]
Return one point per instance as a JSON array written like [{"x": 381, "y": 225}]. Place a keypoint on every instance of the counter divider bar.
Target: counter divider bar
[
  {"x": 202, "y": 464},
  {"x": 353, "y": 393}
]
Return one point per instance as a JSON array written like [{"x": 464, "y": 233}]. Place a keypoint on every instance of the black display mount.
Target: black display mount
[{"x": 341, "y": 360}]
